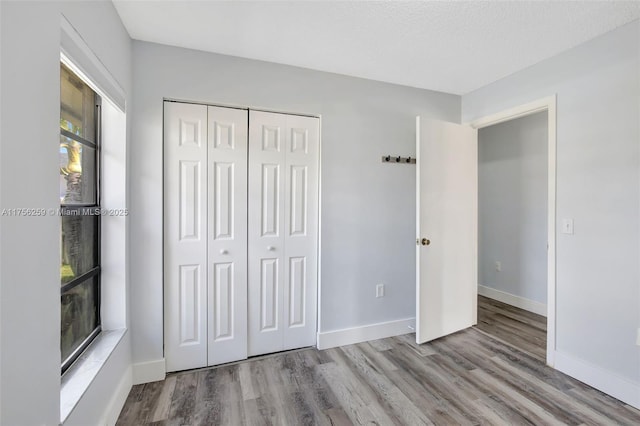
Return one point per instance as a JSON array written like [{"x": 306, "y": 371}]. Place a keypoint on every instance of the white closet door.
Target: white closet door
[
  {"x": 185, "y": 233},
  {"x": 300, "y": 231},
  {"x": 227, "y": 189},
  {"x": 266, "y": 231},
  {"x": 283, "y": 226}
]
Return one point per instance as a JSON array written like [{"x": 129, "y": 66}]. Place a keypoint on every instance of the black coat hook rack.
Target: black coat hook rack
[{"x": 398, "y": 159}]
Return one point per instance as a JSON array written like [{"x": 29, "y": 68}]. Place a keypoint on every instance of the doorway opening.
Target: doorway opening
[{"x": 516, "y": 227}]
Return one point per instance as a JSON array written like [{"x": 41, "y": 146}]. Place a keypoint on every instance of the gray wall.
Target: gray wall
[
  {"x": 598, "y": 175},
  {"x": 512, "y": 206},
  {"x": 368, "y": 208},
  {"x": 29, "y": 176}
]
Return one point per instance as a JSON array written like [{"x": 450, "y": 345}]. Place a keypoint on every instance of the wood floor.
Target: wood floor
[
  {"x": 524, "y": 330},
  {"x": 474, "y": 377}
]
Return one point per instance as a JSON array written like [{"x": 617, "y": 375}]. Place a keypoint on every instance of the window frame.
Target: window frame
[{"x": 83, "y": 210}]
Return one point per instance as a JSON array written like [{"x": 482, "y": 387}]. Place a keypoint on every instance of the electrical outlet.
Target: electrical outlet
[
  {"x": 380, "y": 290},
  {"x": 498, "y": 266}
]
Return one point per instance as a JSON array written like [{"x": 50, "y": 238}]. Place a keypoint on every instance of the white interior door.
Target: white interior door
[
  {"x": 301, "y": 231},
  {"x": 446, "y": 253},
  {"x": 185, "y": 233},
  {"x": 227, "y": 250},
  {"x": 283, "y": 222},
  {"x": 266, "y": 224}
]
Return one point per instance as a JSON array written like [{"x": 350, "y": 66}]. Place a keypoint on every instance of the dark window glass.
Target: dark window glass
[
  {"x": 79, "y": 315},
  {"x": 77, "y": 105},
  {"x": 78, "y": 155},
  {"x": 77, "y": 173},
  {"x": 79, "y": 239}
]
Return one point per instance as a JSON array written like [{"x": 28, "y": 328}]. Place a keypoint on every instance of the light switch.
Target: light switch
[{"x": 567, "y": 226}]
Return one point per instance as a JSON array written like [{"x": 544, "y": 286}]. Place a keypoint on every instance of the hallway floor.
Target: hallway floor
[{"x": 524, "y": 330}]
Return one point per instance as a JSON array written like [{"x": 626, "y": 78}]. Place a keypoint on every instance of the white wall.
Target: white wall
[
  {"x": 598, "y": 175},
  {"x": 1, "y": 108},
  {"x": 368, "y": 210},
  {"x": 1, "y": 204},
  {"x": 29, "y": 247},
  {"x": 512, "y": 207}
]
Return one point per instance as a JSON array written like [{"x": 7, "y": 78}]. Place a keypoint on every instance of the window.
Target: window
[{"x": 79, "y": 215}]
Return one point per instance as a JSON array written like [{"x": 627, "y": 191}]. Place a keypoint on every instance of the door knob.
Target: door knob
[
  {"x": 425, "y": 242},
  {"x": 271, "y": 248},
  {"x": 223, "y": 251}
]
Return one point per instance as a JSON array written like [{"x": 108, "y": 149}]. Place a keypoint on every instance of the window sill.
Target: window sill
[{"x": 77, "y": 379}]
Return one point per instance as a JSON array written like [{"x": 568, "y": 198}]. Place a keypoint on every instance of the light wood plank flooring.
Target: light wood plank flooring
[
  {"x": 477, "y": 376},
  {"x": 524, "y": 330}
]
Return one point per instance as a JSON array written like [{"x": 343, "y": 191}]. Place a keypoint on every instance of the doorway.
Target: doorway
[{"x": 516, "y": 222}]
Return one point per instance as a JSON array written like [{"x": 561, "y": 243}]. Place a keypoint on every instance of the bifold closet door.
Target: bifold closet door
[
  {"x": 205, "y": 223},
  {"x": 227, "y": 249},
  {"x": 283, "y": 223},
  {"x": 185, "y": 235},
  {"x": 240, "y": 233}
]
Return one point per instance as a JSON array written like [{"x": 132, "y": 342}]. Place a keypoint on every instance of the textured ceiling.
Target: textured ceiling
[{"x": 451, "y": 46}]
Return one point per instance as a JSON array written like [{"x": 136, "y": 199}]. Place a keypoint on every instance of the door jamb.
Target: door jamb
[
  {"x": 545, "y": 104},
  {"x": 319, "y": 230}
]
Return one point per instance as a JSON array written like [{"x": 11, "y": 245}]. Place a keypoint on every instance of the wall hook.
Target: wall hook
[{"x": 398, "y": 160}]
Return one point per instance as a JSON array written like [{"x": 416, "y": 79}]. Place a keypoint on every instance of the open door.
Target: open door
[{"x": 447, "y": 216}]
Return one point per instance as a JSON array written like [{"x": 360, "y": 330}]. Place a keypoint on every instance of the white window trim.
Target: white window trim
[
  {"x": 85, "y": 63},
  {"x": 78, "y": 378}
]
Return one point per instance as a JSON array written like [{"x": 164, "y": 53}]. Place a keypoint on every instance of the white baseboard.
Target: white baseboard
[
  {"x": 610, "y": 383},
  {"x": 349, "y": 336},
  {"x": 150, "y": 371},
  {"x": 513, "y": 300},
  {"x": 114, "y": 407}
]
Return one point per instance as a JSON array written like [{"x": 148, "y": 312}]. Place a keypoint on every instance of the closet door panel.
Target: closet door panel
[
  {"x": 267, "y": 174},
  {"x": 301, "y": 231},
  {"x": 227, "y": 250},
  {"x": 185, "y": 234}
]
